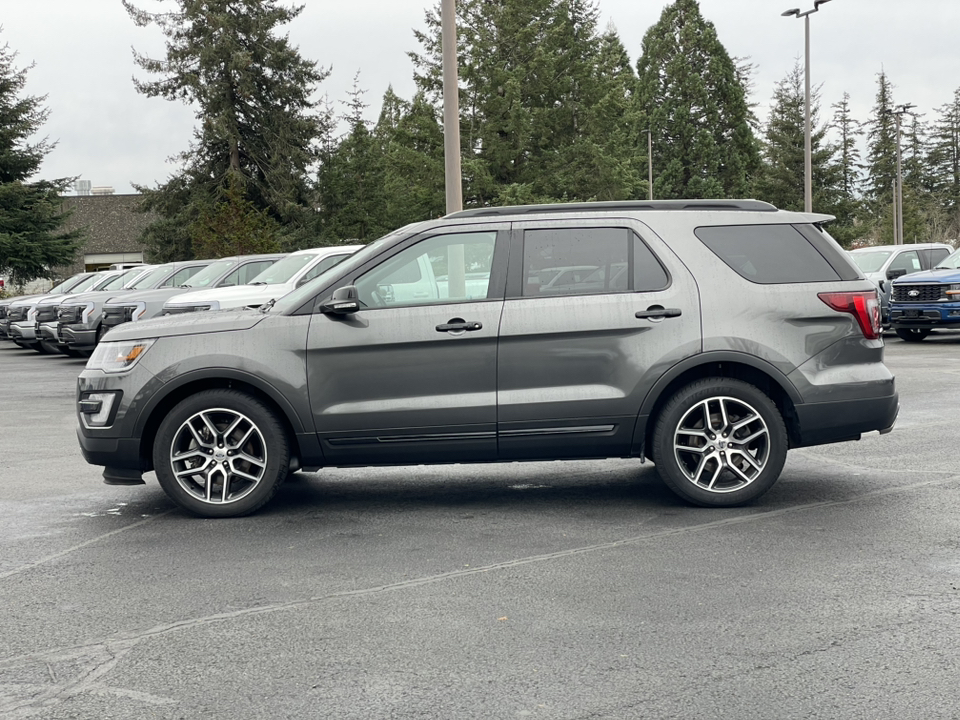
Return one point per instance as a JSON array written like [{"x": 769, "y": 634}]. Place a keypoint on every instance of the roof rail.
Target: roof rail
[{"x": 621, "y": 205}]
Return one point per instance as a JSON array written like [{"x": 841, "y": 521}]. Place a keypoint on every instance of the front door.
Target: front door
[
  {"x": 594, "y": 315},
  {"x": 411, "y": 377}
]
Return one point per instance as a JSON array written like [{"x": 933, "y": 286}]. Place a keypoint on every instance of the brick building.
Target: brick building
[{"x": 111, "y": 230}]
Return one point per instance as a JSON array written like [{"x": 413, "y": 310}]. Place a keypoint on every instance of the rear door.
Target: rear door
[
  {"x": 412, "y": 377},
  {"x": 595, "y": 312}
]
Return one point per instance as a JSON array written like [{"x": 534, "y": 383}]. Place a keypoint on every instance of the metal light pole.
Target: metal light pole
[
  {"x": 650, "y": 164},
  {"x": 898, "y": 195},
  {"x": 451, "y": 107},
  {"x": 807, "y": 141}
]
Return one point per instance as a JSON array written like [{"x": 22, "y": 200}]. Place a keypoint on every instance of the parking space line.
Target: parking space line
[{"x": 91, "y": 541}]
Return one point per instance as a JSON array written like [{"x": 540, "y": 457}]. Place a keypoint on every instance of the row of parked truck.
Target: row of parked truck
[{"x": 73, "y": 316}]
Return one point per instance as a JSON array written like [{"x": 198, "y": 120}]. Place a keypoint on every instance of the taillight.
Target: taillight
[{"x": 864, "y": 305}]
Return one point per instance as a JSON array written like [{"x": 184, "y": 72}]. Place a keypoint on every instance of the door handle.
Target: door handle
[
  {"x": 458, "y": 325},
  {"x": 655, "y": 312}
]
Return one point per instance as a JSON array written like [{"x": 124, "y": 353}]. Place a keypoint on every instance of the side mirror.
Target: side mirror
[
  {"x": 344, "y": 301},
  {"x": 894, "y": 274}
]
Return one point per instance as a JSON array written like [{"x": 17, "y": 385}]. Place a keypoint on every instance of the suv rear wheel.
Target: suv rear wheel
[
  {"x": 221, "y": 453},
  {"x": 719, "y": 442}
]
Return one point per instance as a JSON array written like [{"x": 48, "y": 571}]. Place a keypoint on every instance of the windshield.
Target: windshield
[
  {"x": 118, "y": 281},
  {"x": 67, "y": 284},
  {"x": 85, "y": 284},
  {"x": 872, "y": 261},
  {"x": 284, "y": 270},
  {"x": 209, "y": 274},
  {"x": 951, "y": 262},
  {"x": 150, "y": 279},
  {"x": 293, "y": 300}
]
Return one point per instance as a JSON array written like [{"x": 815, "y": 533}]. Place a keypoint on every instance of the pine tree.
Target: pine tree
[
  {"x": 32, "y": 240},
  {"x": 882, "y": 146},
  {"x": 850, "y": 131},
  {"x": 255, "y": 142},
  {"x": 944, "y": 155},
  {"x": 350, "y": 181},
  {"x": 535, "y": 105},
  {"x": 703, "y": 145}
]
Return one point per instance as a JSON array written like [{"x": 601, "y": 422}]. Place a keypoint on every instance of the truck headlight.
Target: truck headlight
[
  {"x": 113, "y": 357},
  {"x": 953, "y": 292}
]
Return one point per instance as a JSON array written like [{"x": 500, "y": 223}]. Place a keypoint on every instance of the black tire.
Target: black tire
[
  {"x": 912, "y": 334},
  {"x": 708, "y": 468},
  {"x": 251, "y": 460}
]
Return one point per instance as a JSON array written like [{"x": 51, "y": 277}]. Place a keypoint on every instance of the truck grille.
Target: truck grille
[
  {"x": 118, "y": 315},
  {"x": 3, "y": 312},
  {"x": 47, "y": 313},
  {"x": 924, "y": 293},
  {"x": 70, "y": 314},
  {"x": 17, "y": 314}
]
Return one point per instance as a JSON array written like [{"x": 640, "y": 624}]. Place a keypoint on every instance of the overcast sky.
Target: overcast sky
[{"x": 108, "y": 134}]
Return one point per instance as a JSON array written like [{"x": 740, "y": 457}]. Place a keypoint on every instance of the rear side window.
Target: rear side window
[{"x": 768, "y": 254}]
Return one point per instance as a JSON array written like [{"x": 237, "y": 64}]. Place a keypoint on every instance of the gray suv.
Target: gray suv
[{"x": 708, "y": 336}]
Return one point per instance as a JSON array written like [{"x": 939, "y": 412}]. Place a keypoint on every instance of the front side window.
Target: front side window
[
  {"x": 440, "y": 269},
  {"x": 576, "y": 261},
  {"x": 908, "y": 261}
]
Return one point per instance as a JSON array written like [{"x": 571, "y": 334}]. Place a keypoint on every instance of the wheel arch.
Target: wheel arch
[
  {"x": 189, "y": 384},
  {"x": 739, "y": 366}
]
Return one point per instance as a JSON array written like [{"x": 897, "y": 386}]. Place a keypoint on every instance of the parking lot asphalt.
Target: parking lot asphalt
[{"x": 543, "y": 590}]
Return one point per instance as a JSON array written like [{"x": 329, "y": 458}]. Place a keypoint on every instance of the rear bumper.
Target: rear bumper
[{"x": 830, "y": 422}]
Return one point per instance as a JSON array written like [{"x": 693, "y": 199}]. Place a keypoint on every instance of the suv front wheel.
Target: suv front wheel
[
  {"x": 719, "y": 442},
  {"x": 221, "y": 453}
]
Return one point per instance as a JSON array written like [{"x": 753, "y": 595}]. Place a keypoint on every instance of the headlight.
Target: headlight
[
  {"x": 138, "y": 311},
  {"x": 87, "y": 313},
  {"x": 953, "y": 292},
  {"x": 118, "y": 356},
  {"x": 32, "y": 314}
]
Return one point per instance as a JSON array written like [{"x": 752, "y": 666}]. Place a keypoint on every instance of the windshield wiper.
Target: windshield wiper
[
  {"x": 258, "y": 282},
  {"x": 266, "y": 307}
]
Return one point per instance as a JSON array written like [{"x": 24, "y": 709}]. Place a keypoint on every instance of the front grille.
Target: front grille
[
  {"x": 46, "y": 313},
  {"x": 924, "y": 293},
  {"x": 17, "y": 314},
  {"x": 3, "y": 312},
  {"x": 70, "y": 314},
  {"x": 118, "y": 315}
]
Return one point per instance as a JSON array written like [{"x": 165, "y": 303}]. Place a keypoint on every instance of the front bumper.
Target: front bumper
[
  {"x": 919, "y": 316},
  {"x": 77, "y": 335},
  {"x": 25, "y": 331},
  {"x": 114, "y": 452},
  {"x": 48, "y": 332}
]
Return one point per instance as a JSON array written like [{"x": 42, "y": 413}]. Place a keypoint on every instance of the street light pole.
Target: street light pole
[
  {"x": 451, "y": 107},
  {"x": 807, "y": 132},
  {"x": 898, "y": 195}
]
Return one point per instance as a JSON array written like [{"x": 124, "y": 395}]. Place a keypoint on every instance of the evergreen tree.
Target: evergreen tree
[
  {"x": 535, "y": 106},
  {"x": 412, "y": 143},
  {"x": 32, "y": 240},
  {"x": 850, "y": 131},
  {"x": 882, "y": 147},
  {"x": 697, "y": 108},
  {"x": 849, "y": 208},
  {"x": 255, "y": 142},
  {"x": 781, "y": 180},
  {"x": 350, "y": 181},
  {"x": 944, "y": 155}
]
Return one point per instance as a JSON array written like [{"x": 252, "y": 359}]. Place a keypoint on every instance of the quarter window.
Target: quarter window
[
  {"x": 440, "y": 269},
  {"x": 768, "y": 254}
]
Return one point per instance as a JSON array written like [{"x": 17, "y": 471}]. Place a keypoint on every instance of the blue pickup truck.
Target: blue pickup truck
[{"x": 923, "y": 301}]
